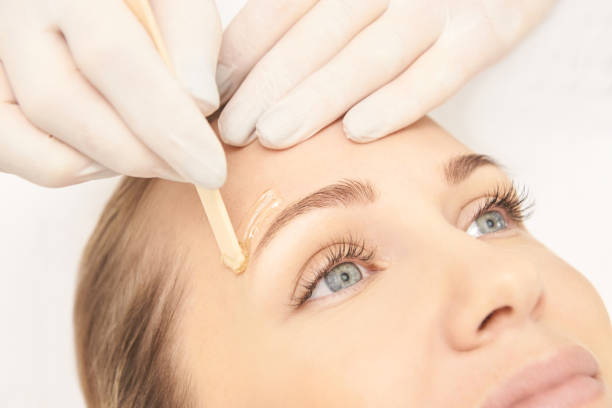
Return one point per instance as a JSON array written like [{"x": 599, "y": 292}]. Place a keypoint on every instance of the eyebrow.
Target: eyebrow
[
  {"x": 347, "y": 192},
  {"x": 344, "y": 193},
  {"x": 459, "y": 168}
]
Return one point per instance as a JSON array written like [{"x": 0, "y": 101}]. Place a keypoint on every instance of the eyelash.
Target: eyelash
[
  {"x": 515, "y": 203},
  {"x": 345, "y": 249}
]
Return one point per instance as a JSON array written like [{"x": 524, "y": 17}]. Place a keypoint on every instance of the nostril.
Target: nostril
[
  {"x": 485, "y": 321},
  {"x": 499, "y": 311}
]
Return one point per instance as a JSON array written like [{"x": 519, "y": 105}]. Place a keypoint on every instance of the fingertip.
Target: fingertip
[
  {"x": 168, "y": 173},
  {"x": 203, "y": 88},
  {"x": 93, "y": 171},
  {"x": 265, "y": 142},
  {"x": 279, "y": 127},
  {"x": 202, "y": 160},
  {"x": 358, "y": 127},
  {"x": 215, "y": 182},
  {"x": 207, "y": 101},
  {"x": 269, "y": 139},
  {"x": 369, "y": 122},
  {"x": 90, "y": 170},
  {"x": 284, "y": 141},
  {"x": 211, "y": 175},
  {"x": 233, "y": 132},
  {"x": 207, "y": 107}
]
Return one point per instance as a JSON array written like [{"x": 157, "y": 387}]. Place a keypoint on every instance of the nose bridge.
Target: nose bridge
[{"x": 492, "y": 289}]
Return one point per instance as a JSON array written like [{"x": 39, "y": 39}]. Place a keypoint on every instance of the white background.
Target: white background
[{"x": 545, "y": 112}]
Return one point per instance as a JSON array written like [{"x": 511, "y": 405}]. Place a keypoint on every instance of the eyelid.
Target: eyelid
[
  {"x": 371, "y": 272},
  {"x": 498, "y": 199},
  {"x": 320, "y": 263},
  {"x": 469, "y": 212}
]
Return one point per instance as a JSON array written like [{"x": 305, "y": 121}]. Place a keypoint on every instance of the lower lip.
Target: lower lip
[{"x": 572, "y": 393}]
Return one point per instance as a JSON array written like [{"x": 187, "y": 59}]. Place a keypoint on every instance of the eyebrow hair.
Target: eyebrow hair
[
  {"x": 347, "y": 192},
  {"x": 459, "y": 168}
]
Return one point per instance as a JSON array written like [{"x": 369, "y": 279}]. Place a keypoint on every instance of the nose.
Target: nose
[{"x": 491, "y": 292}]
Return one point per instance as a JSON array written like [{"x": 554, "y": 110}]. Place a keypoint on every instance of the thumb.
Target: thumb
[{"x": 192, "y": 32}]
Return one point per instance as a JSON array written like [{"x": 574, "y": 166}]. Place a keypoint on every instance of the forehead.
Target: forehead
[
  {"x": 412, "y": 156},
  {"x": 417, "y": 153}
]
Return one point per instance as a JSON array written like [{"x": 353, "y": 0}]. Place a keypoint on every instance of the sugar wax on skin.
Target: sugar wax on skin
[{"x": 266, "y": 205}]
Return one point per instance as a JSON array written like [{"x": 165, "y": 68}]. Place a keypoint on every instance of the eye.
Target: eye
[
  {"x": 341, "y": 267},
  {"x": 487, "y": 223},
  {"x": 338, "y": 278}
]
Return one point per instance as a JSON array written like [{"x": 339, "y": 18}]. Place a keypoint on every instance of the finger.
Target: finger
[
  {"x": 470, "y": 41},
  {"x": 256, "y": 28},
  {"x": 35, "y": 156},
  {"x": 373, "y": 58},
  {"x": 116, "y": 55},
  {"x": 433, "y": 78},
  {"x": 59, "y": 101},
  {"x": 310, "y": 43},
  {"x": 191, "y": 30}
]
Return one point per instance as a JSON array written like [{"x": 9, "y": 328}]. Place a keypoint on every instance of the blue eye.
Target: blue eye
[
  {"x": 339, "y": 277},
  {"x": 487, "y": 223},
  {"x": 342, "y": 276}
]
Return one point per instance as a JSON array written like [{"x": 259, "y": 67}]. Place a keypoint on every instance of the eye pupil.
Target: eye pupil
[
  {"x": 345, "y": 277},
  {"x": 490, "y": 223}
]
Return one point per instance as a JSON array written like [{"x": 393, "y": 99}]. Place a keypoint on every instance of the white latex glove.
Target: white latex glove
[
  {"x": 87, "y": 73},
  {"x": 386, "y": 62}
]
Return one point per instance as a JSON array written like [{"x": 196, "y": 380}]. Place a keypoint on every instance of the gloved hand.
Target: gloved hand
[
  {"x": 84, "y": 93},
  {"x": 386, "y": 62}
]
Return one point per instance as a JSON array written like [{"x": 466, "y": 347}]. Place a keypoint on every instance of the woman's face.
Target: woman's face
[{"x": 434, "y": 304}]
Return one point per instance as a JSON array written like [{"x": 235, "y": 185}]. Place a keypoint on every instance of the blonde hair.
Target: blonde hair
[{"x": 125, "y": 315}]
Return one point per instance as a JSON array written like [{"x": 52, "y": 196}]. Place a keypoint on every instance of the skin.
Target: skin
[{"x": 408, "y": 337}]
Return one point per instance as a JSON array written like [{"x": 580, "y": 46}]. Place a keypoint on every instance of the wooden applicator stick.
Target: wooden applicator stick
[{"x": 232, "y": 253}]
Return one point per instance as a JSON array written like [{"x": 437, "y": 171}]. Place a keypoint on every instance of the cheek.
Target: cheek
[
  {"x": 373, "y": 349},
  {"x": 575, "y": 309},
  {"x": 571, "y": 297}
]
